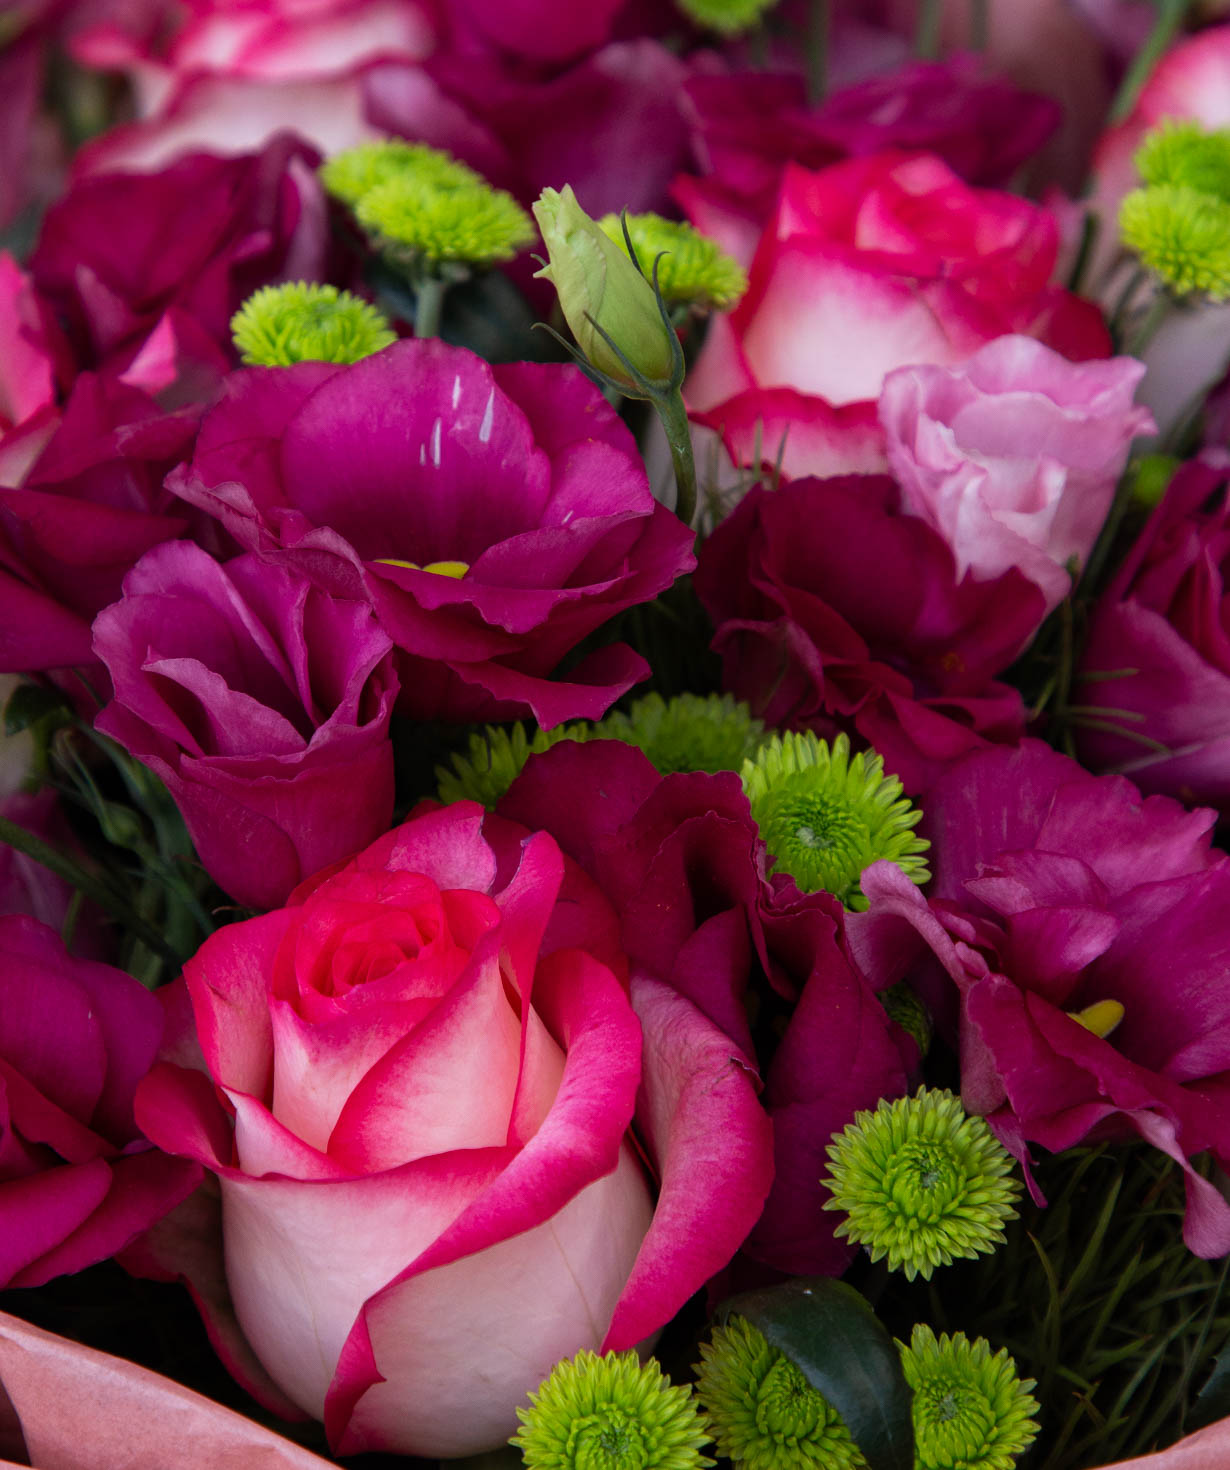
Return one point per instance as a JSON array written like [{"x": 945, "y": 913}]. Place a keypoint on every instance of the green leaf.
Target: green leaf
[
  {"x": 1213, "y": 1400},
  {"x": 28, "y": 704},
  {"x": 837, "y": 1342}
]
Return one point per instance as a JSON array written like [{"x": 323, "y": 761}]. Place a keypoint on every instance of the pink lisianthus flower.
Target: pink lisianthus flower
[
  {"x": 262, "y": 702},
  {"x": 1155, "y": 672},
  {"x": 1080, "y": 932},
  {"x": 77, "y": 1180},
  {"x": 421, "y": 1077},
  {"x": 866, "y": 266},
  {"x": 1014, "y": 455},
  {"x": 494, "y": 516},
  {"x": 27, "y": 361},
  {"x": 835, "y": 610},
  {"x": 681, "y": 859}
]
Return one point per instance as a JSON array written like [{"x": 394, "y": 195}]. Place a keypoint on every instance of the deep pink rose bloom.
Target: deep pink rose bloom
[
  {"x": 179, "y": 251},
  {"x": 1014, "y": 455},
  {"x": 751, "y": 124},
  {"x": 81, "y": 500},
  {"x": 833, "y": 609},
  {"x": 681, "y": 859},
  {"x": 869, "y": 265},
  {"x": 77, "y": 1180},
  {"x": 425, "y": 454},
  {"x": 262, "y": 702},
  {"x": 1054, "y": 890},
  {"x": 422, "y": 1074},
  {"x": 1156, "y": 667}
]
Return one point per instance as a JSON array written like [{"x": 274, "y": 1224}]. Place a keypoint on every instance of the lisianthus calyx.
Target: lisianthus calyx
[
  {"x": 825, "y": 815},
  {"x": 921, "y": 1183},
  {"x": 303, "y": 322}
]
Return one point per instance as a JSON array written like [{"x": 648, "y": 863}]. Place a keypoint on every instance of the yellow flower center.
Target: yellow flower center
[
  {"x": 456, "y": 569},
  {"x": 1101, "y": 1017}
]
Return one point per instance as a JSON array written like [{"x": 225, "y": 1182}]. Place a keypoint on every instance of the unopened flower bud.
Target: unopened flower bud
[{"x": 600, "y": 288}]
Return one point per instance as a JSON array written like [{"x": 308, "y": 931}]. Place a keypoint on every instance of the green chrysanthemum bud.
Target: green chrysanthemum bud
[
  {"x": 611, "y": 1413},
  {"x": 495, "y": 757},
  {"x": 902, "y": 1003},
  {"x": 423, "y": 222},
  {"x": 730, "y": 17},
  {"x": 600, "y": 288},
  {"x": 298, "y": 322},
  {"x": 689, "y": 732},
  {"x": 1183, "y": 235},
  {"x": 763, "y": 1413},
  {"x": 693, "y": 271},
  {"x": 1184, "y": 153},
  {"x": 921, "y": 1183},
  {"x": 825, "y": 815},
  {"x": 1151, "y": 477},
  {"x": 972, "y": 1411},
  {"x": 350, "y": 175}
]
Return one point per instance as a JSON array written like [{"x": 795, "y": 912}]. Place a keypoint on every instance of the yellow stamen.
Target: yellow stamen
[
  {"x": 441, "y": 568},
  {"x": 1101, "y": 1017}
]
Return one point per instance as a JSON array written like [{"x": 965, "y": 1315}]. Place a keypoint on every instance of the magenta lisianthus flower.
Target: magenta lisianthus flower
[
  {"x": 77, "y": 1180},
  {"x": 681, "y": 859},
  {"x": 519, "y": 480},
  {"x": 81, "y": 500},
  {"x": 1014, "y": 455},
  {"x": 262, "y": 702},
  {"x": 1054, "y": 892},
  {"x": 421, "y": 1077},
  {"x": 873, "y": 264},
  {"x": 1155, "y": 672},
  {"x": 124, "y": 255},
  {"x": 834, "y": 609}
]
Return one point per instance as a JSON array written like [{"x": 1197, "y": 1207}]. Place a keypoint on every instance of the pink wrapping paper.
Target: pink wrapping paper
[{"x": 84, "y": 1410}]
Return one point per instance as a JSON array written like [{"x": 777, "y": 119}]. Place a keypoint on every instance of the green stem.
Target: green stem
[
  {"x": 93, "y": 888},
  {"x": 819, "y": 24},
  {"x": 1146, "y": 328},
  {"x": 679, "y": 436},
  {"x": 927, "y": 31},
  {"x": 1170, "y": 16},
  {"x": 979, "y": 24},
  {"x": 429, "y": 306}
]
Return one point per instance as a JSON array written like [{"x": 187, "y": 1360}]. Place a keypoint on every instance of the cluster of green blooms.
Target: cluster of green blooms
[
  {"x": 690, "y": 732},
  {"x": 423, "y": 208},
  {"x": 825, "y": 815},
  {"x": 921, "y": 1182},
  {"x": 971, "y": 1410},
  {"x": 728, "y": 17},
  {"x": 1179, "y": 222},
  {"x": 301, "y": 322},
  {"x": 693, "y": 270}
]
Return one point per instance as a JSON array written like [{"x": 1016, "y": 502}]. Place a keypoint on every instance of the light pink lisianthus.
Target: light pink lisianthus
[
  {"x": 1013, "y": 456},
  {"x": 1207, "y": 1449},
  {"x": 421, "y": 1078}
]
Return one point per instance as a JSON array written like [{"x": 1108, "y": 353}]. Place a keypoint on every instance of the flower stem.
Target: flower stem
[
  {"x": 429, "y": 306},
  {"x": 819, "y": 23},
  {"x": 94, "y": 888},
  {"x": 979, "y": 24},
  {"x": 1170, "y": 16},
  {"x": 674, "y": 418},
  {"x": 927, "y": 30},
  {"x": 1146, "y": 329}
]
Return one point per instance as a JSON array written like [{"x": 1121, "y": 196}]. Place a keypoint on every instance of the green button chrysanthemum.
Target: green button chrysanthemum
[
  {"x": 1183, "y": 235},
  {"x": 350, "y": 175},
  {"x": 1184, "y": 153},
  {"x": 730, "y": 17},
  {"x": 825, "y": 815},
  {"x": 972, "y": 1411},
  {"x": 494, "y": 758},
  {"x": 693, "y": 270},
  {"x": 689, "y": 732},
  {"x": 299, "y": 322},
  {"x": 611, "y": 1413},
  {"x": 423, "y": 223},
  {"x": 921, "y": 1182},
  {"x": 763, "y": 1413}
]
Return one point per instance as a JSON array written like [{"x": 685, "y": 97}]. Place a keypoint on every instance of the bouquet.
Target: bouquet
[{"x": 616, "y": 693}]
